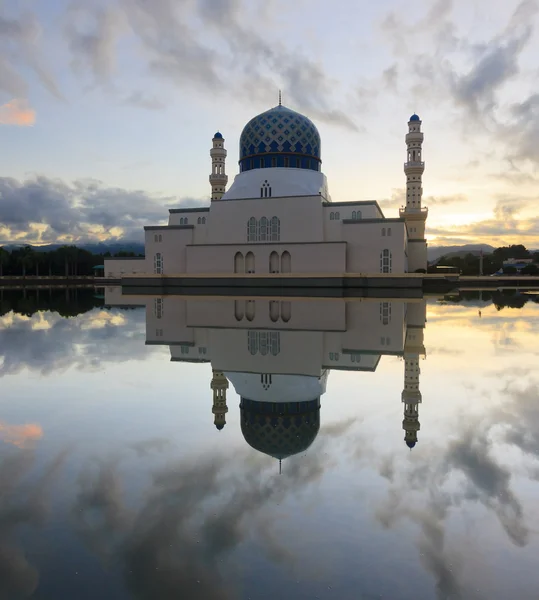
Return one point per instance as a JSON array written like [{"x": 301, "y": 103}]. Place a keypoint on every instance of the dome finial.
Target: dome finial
[
  {"x": 279, "y": 466},
  {"x": 279, "y": 97}
]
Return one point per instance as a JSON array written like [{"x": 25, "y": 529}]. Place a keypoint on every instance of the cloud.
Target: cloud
[
  {"x": 195, "y": 514},
  {"x": 47, "y": 343},
  {"x": 22, "y": 504},
  {"x": 92, "y": 33},
  {"x": 140, "y": 100},
  {"x": 17, "y": 112},
  {"x": 20, "y": 44},
  {"x": 48, "y": 210},
  {"x": 21, "y": 436}
]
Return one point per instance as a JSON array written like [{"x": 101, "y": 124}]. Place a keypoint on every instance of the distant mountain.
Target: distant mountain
[
  {"x": 436, "y": 252},
  {"x": 94, "y": 248}
]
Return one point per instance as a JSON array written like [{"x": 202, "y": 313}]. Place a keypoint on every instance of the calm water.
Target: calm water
[{"x": 116, "y": 483}]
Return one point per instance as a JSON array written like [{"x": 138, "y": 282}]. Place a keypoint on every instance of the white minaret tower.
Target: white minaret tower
[
  {"x": 414, "y": 214},
  {"x": 218, "y": 177},
  {"x": 411, "y": 395},
  {"x": 219, "y": 385}
]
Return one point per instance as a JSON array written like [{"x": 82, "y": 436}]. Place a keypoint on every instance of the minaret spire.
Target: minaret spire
[
  {"x": 413, "y": 213},
  {"x": 280, "y": 98},
  {"x": 218, "y": 176}
]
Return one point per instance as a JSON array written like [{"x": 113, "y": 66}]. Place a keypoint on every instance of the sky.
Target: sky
[{"x": 108, "y": 107}]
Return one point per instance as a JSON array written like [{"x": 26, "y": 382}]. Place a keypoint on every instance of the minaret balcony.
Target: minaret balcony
[
  {"x": 422, "y": 213},
  {"x": 414, "y": 164},
  {"x": 218, "y": 177}
]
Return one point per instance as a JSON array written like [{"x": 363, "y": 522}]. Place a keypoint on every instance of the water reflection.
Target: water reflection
[
  {"x": 125, "y": 475},
  {"x": 278, "y": 355}
]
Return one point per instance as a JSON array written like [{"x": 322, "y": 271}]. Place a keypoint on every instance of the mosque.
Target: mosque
[
  {"x": 278, "y": 215},
  {"x": 278, "y": 355}
]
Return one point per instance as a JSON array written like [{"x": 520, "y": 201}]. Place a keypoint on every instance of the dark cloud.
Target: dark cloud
[
  {"x": 84, "y": 210},
  {"x": 22, "y": 504},
  {"x": 195, "y": 514}
]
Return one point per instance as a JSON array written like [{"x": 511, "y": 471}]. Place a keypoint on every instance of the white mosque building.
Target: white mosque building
[{"x": 278, "y": 216}]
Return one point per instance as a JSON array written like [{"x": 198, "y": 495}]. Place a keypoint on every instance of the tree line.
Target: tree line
[
  {"x": 492, "y": 263},
  {"x": 68, "y": 261}
]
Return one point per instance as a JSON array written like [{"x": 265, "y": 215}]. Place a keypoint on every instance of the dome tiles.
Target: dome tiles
[
  {"x": 279, "y": 429},
  {"x": 280, "y": 131}
]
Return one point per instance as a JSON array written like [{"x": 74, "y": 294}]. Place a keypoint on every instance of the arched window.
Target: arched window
[
  {"x": 358, "y": 215},
  {"x": 354, "y": 215},
  {"x": 203, "y": 220},
  {"x": 185, "y": 221},
  {"x": 155, "y": 238},
  {"x": 286, "y": 262},
  {"x": 250, "y": 309},
  {"x": 389, "y": 231},
  {"x": 249, "y": 262},
  {"x": 274, "y": 310},
  {"x": 337, "y": 216},
  {"x": 251, "y": 230},
  {"x": 239, "y": 266},
  {"x": 158, "y": 263},
  {"x": 332, "y": 216},
  {"x": 239, "y": 309},
  {"x": 383, "y": 231},
  {"x": 275, "y": 341},
  {"x": 286, "y": 311},
  {"x": 385, "y": 261},
  {"x": 199, "y": 221},
  {"x": 160, "y": 238},
  {"x": 181, "y": 220},
  {"x": 252, "y": 342},
  {"x": 275, "y": 229},
  {"x": 274, "y": 262},
  {"x": 263, "y": 230}
]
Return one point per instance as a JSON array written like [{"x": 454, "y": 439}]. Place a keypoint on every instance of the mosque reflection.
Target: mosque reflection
[{"x": 278, "y": 355}]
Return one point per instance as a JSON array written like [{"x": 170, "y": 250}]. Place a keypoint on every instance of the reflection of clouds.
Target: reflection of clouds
[
  {"x": 21, "y": 504},
  {"x": 193, "y": 516},
  {"x": 47, "y": 342},
  {"x": 466, "y": 470},
  {"x": 20, "y": 435}
]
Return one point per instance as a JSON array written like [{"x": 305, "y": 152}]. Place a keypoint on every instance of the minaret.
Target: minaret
[
  {"x": 219, "y": 385},
  {"x": 218, "y": 177},
  {"x": 413, "y": 213},
  {"x": 411, "y": 395}
]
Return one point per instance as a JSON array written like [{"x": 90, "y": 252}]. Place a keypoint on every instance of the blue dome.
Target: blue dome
[
  {"x": 280, "y": 137},
  {"x": 410, "y": 444},
  {"x": 218, "y": 135},
  {"x": 414, "y": 117}
]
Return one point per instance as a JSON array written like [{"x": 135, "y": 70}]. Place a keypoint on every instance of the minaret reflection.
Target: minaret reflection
[{"x": 278, "y": 361}]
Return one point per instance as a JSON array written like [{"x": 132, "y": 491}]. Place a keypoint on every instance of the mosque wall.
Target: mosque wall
[
  {"x": 366, "y": 242},
  {"x": 316, "y": 258},
  {"x": 118, "y": 267},
  {"x": 417, "y": 255}
]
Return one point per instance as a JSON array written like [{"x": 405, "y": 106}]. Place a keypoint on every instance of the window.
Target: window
[
  {"x": 250, "y": 309},
  {"x": 155, "y": 237},
  {"x": 286, "y": 262},
  {"x": 383, "y": 231},
  {"x": 158, "y": 308},
  {"x": 158, "y": 333},
  {"x": 274, "y": 262},
  {"x": 389, "y": 231},
  {"x": 298, "y": 163},
  {"x": 274, "y": 310},
  {"x": 239, "y": 309},
  {"x": 265, "y": 190},
  {"x": 274, "y": 162},
  {"x": 249, "y": 262},
  {"x": 286, "y": 311},
  {"x": 331, "y": 216},
  {"x": 385, "y": 261},
  {"x": 158, "y": 263},
  {"x": 252, "y": 342},
  {"x": 337, "y": 216},
  {"x": 264, "y": 342},
  {"x": 356, "y": 358},
  {"x": 184, "y": 349},
  {"x": 239, "y": 266},
  {"x": 160, "y": 238},
  {"x": 356, "y": 215},
  {"x": 263, "y": 230},
  {"x": 202, "y": 350},
  {"x": 203, "y": 220},
  {"x": 199, "y": 221},
  {"x": 251, "y": 230},
  {"x": 286, "y": 161},
  {"x": 275, "y": 229},
  {"x": 385, "y": 313}
]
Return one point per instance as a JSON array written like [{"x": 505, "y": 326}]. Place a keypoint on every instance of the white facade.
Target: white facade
[{"x": 278, "y": 216}]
